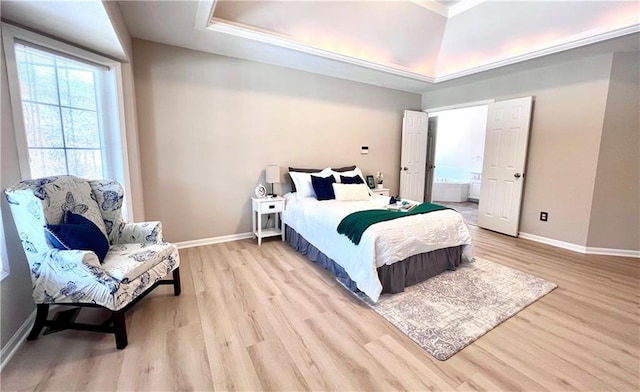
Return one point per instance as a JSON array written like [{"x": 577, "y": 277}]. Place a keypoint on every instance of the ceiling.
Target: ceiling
[
  {"x": 87, "y": 24},
  {"x": 406, "y": 45},
  {"x": 410, "y": 37}
]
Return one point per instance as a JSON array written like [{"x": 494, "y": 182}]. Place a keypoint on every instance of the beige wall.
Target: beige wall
[
  {"x": 208, "y": 126},
  {"x": 131, "y": 122},
  {"x": 15, "y": 290},
  {"x": 570, "y": 101},
  {"x": 616, "y": 197}
]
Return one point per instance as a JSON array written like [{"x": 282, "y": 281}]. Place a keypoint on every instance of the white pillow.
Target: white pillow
[
  {"x": 350, "y": 173},
  {"x": 351, "y": 192},
  {"x": 304, "y": 188}
]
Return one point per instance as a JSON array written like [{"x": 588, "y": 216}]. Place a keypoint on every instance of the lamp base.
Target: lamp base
[{"x": 272, "y": 194}]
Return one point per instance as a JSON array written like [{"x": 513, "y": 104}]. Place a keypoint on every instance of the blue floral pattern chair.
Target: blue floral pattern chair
[{"x": 137, "y": 261}]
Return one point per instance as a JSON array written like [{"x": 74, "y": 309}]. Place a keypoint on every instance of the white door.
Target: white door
[
  {"x": 505, "y": 155},
  {"x": 431, "y": 158},
  {"x": 413, "y": 155}
]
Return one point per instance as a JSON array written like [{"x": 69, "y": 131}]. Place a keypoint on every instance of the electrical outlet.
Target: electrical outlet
[{"x": 544, "y": 216}]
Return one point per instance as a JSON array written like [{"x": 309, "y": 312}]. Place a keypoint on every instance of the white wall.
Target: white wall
[{"x": 460, "y": 142}]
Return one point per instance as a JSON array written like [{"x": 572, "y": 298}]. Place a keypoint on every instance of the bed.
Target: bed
[{"x": 391, "y": 255}]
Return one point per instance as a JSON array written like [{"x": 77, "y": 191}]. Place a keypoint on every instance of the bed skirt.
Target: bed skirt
[{"x": 394, "y": 277}]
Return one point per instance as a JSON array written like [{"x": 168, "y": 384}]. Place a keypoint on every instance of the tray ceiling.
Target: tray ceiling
[
  {"x": 430, "y": 41},
  {"x": 406, "y": 45}
]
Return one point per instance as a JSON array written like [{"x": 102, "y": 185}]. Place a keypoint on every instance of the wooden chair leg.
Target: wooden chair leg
[
  {"x": 120, "y": 329},
  {"x": 176, "y": 282},
  {"x": 42, "y": 311}
]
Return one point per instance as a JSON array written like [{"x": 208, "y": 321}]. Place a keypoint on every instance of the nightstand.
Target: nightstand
[
  {"x": 381, "y": 191},
  {"x": 263, "y": 206}
]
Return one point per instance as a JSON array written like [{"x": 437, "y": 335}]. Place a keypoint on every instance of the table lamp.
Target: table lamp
[{"x": 272, "y": 176}]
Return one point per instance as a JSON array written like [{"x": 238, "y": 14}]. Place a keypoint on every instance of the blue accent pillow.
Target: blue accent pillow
[
  {"x": 351, "y": 180},
  {"x": 323, "y": 186},
  {"x": 78, "y": 232}
]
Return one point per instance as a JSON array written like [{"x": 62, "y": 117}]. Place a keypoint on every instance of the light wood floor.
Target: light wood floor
[{"x": 264, "y": 318}]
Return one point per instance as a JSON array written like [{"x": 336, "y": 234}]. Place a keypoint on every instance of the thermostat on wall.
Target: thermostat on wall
[{"x": 364, "y": 150}]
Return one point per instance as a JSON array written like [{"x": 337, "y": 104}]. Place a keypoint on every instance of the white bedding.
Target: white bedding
[{"x": 382, "y": 243}]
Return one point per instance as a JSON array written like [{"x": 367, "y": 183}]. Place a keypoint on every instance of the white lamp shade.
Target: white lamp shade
[{"x": 272, "y": 175}]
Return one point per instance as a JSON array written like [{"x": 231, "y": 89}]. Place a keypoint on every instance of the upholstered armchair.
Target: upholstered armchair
[{"x": 130, "y": 260}]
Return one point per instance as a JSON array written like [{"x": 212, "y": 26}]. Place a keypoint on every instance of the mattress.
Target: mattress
[{"x": 384, "y": 243}]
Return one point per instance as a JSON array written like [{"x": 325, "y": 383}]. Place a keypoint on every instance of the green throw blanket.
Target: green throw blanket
[{"x": 354, "y": 224}]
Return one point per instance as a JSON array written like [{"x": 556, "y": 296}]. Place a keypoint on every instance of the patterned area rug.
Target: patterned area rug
[{"x": 448, "y": 312}]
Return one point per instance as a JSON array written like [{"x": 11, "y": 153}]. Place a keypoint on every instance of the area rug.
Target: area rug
[{"x": 448, "y": 312}]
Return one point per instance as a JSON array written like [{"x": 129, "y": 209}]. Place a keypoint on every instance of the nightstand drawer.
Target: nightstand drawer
[
  {"x": 271, "y": 206},
  {"x": 381, "y": 191}
]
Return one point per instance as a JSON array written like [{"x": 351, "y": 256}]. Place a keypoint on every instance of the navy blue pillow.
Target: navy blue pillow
[
  {"x": 323, "y": 187},
  {"x": 351, "y": 180},
  {"x": 78, "y": 232}
]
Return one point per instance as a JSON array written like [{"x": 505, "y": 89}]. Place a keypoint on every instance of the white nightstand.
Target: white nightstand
[
  {"x": 267, "y": 205},
  {"x": 381, "y": 191}
]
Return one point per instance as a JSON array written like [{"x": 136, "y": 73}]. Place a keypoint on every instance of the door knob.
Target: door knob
[
  {"x": 517, "y": 175},
  {"x": 405, "y": 168}
]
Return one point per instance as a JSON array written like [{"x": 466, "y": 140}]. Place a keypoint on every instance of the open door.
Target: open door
[
  {"x": 431, "y": 158},
  {"x": 505, "y": 156},
  {"x": 413, "y": 155}
]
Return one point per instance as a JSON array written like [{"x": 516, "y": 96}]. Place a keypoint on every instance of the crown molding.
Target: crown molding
[
  {"x": 204, "y": 13},
  {"x": 267, "y": 37},
  {"x": 205, "y": 20},
  {"x": 586, "y": 38},
  {"x": 575, "y": 41}
]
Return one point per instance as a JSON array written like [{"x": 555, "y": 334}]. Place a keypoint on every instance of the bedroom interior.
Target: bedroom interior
[{"x": 214, "y": 98}]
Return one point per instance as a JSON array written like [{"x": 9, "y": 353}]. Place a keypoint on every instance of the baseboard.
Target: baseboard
[
  {"x": 613, "y": 252},
  {"x": 552, "y": 242},
  {"x": 213, "y": 240},
  {"x": 16, "y": 340},
  {"x": 580, "y": 248}
]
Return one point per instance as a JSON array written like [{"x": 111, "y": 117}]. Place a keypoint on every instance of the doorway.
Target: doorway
[{"x": 459, "y": 155}]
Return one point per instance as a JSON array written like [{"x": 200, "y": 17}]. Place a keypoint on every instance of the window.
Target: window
[
  {"x": 67, "y": 109},
  {"x": 60, "y": 108}
]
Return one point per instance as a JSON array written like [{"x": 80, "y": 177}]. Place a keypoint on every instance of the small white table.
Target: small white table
[
  {"x": 267, "y": 205},
  {"x": 381, "y": 191}
]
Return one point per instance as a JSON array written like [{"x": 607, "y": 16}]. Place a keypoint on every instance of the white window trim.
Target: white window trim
[
  {"x": 4, "y": 259},
  {"x": 116, "y": 121}
]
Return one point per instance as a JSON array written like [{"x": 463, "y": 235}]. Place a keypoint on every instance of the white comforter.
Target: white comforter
[{"x": 382, "y": 243}]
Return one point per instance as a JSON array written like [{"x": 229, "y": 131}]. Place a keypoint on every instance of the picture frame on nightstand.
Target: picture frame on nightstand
[{"x": 371, "y": 182}]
